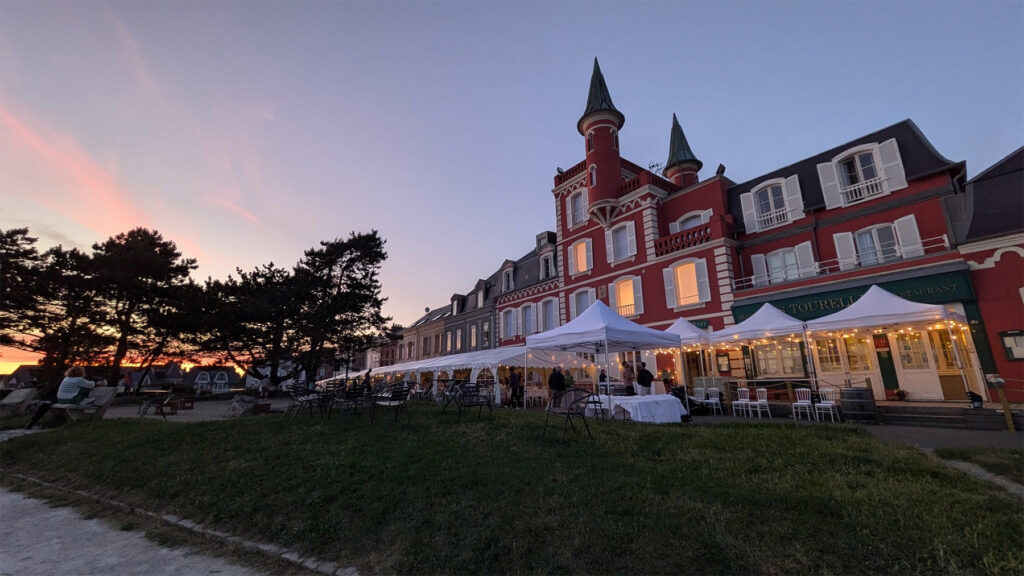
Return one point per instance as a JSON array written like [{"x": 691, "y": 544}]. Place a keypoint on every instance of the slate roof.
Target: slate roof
[
  {"x": 919, "y": 157},
  {"x": 678, "y": 148},
  {"x": 599, "y": 99},
  {"x": 997, "y": 195}
]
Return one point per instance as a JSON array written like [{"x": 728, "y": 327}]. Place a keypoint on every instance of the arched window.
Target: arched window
[
  {"x": 593, "y": 175},
  {"x": 590, "y": 141}
]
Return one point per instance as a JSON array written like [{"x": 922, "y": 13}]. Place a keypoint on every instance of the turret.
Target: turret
[
  {"x": 600, "y": 126},
  {"x": 682, "y": 166}
]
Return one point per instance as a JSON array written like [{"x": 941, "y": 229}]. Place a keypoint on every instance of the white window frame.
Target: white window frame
[
  {"x": 877, "y": 257},
  {"x": 890, "y": 175},
  {"x": 480, "y": 299},
  {"x": 592, "y": 175},
  {"x": 508, "y": 282},
  {"x": 677, "y": 225},
  {"x": 508, "y": 323},
  {"x": 455, "y": 307},
  {"x": 549, "y": 270},
  {"x": 672, "y": 288},
  {"x": 631, "y": 242},
  {"x": 590, "y": 141},
  {"x": 542, "y": 325},
  {"x": 472, "y": 336},
  {"x": 458, "y": 339},
  {"x": 638, "y": 296},
  {"x": 754, "y": 220},
  {"x": 787, "y": 272},
  {"x": 448, "y": 341},
  {"x": 571, "y": 214},
  {"x": 528, "y": 319},
  {"x": 908, "y": 243},
  {"x": 591, "y": 295},
  {"x": 571, "y": 257}
]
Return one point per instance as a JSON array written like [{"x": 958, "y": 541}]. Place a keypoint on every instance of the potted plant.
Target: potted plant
[{"x": 901, "y": 394}]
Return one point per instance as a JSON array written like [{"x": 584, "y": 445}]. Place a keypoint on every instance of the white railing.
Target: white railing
[
  {"x": 627, "y": 310},
  {"x": 772, "y": 218},
  {"x": 863, "y": 190},
  {"x": 883, "y": 254}
]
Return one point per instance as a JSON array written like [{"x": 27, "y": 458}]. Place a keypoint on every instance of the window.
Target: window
[
  {"x": 455, "y": 307},
  {"x": 426, "y": 345},
  {"x": 580, "y": 301},
  {"x": 947, "y": 357},
  {"x": 912, "y": 351},
  {"x": 686, "y": 283},
  {"x": 527, "y": 315},
  {"x": 615, "y": 139},
  {"x": 458, "y": 338},
  {"x": 782, "y": 265},
  {"x": 590, "y": 141},
  {"x": 877, "y": 245},
  {"x": 772, "y": 203},
  {"x": 626, "y": 296},
  {"x": 437, "y": 342},
  {"x": 508, "y": 324},
  {"x": 621, "y": 242},
  {"x": 480, "y": 299},
  {"x": 581, "y": 257},
  {"x": 862, "y": 173},
  {"x": 593, "y": 175},
  {"x": 548, "y": 312},
  {"x": 547, "y": 267},
  {"x": 507, "y": 282},
  {"x": 690, "y": 220},
  {"x": 485, "y": 335},
  {"x": 577, "y": 209},
  {"x": 779, "y": 360},
  {"x": 828, "y": 355},
  {"x": 448, "y": 341},
  {"x": 472, "y": 336}
]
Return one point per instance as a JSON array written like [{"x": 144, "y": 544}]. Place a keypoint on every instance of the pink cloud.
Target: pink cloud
[{"x": 238, "y": 210}]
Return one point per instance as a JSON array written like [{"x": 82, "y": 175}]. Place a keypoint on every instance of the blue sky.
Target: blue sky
[{"x": 249, "y": 131}]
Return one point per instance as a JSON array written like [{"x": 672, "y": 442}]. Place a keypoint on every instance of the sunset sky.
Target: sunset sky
[{"x": 249, "y": 131}]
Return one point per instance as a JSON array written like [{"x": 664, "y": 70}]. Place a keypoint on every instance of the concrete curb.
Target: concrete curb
[
  {"x": 286, "y": 554},
  {"x": 979, "y": 472}
]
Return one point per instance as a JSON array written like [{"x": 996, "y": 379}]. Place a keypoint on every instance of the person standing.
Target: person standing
[
  {"x": 515, "y": 383},
  {"x": 556, "y": 382},
  {"x": 628, "y": 378},
  {"x": 644, "y": 378},
  {"x": 570, "y": 380}
]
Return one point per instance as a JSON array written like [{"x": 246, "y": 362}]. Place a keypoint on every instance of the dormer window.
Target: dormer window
[
  {"x": 862, "y": 173},
  {"x": 547, "y": 267},
  {"x": 455, "y": 307},
  {"x": 480, "y": 299},
  {"x": 773, "y": 203},
  {"x": 507, "y": 283},
  {"x": 577, "y": 209}
]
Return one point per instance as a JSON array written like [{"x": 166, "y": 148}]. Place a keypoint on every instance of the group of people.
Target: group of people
[{"x": 560, "y": 381}]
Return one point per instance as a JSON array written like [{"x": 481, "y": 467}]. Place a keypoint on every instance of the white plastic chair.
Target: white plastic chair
[
  {"x": 712, "y": 401},
  {"x": 803, "y": 403},
  {"x": 743, "y": 403},
  {"x": 761, "y": 403},
  {"x": 827, "y": 403},
  {"x": 698, "y": 393}
]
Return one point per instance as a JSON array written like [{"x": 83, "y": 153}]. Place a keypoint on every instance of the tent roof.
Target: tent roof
[
  {"x": 505, "y": 356},
  {"x": 688, "y": 333},
  {"x": 879, "y": 307},
  {"x": 598, "y": 325},
  {"x": 767, "y": 321}
]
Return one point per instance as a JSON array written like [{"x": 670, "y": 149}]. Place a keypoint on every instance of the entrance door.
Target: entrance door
[
  {"x": 860, "y": 359},
  {"x": 915, "y": 366}
]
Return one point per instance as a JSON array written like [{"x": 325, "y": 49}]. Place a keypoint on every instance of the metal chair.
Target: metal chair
[
  {"x": 471, "y": 394},
  {"x": 571, "y": 403},
  {"x": 803, "y": 403},
  {"x": 742, "y": 403},
  {"x": 761, "y": 404},
  {"x": 827, "y": 403},
  {"x": 394, "y": 397}
]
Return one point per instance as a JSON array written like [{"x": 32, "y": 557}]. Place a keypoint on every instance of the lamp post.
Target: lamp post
[{"x": 996, "y": 381}]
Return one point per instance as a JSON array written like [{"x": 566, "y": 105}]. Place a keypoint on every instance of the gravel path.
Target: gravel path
[{"x": 33, "y": 545}]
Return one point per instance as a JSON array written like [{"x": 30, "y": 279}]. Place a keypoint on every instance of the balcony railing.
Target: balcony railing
[
  {"x": 626, "y": 310},
  {"x": 883, "y": 254},
  {"x": 772, "y": 218},
  {"x": 685, "y": 239},
  {"x": 863, "y": 190}
]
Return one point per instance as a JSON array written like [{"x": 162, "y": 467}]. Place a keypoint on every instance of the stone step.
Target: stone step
[
  {"x": 932, "y": 420},
  {"x": 929, "y": 410}
]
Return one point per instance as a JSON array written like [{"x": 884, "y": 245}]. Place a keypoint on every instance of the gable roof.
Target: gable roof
[
  {"x": 919, "y": 157},
  {"x": 997, "y": 195}
]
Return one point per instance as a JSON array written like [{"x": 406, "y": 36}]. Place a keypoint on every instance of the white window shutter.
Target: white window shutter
[
  {"x": 568, "y": 210},
  {"x": 892, "y": 165},
  {"x": 638, "y": 295},
  {"x": 830, "y": 185},
  {"x": 590, "y": 254},
  {"x": 670, "y": 287},
  {"x": 846, "y": 250},
  {"x": 673, "y": 227},
  {"x": 794, "y": 200},
  {"x": 703, "y": 285},
  {"x": 908, "y": 236},
  {"x": 536, "y": 319},
  {"x": 608, "y": 247},
  {"x": 592, "y": 296},
  {"x": 760, "y": 270},
  {"x": 749, "y": 213},
  {"x": 572, "y": 260},
  {"x": 515, "y": 323},
  {"x": 805, "y": 260},
  {"x": 613, "y": 298},
  {"x": 705, "y": 216},
  {"x": 631, "y": 238},
  {"x": 572, "y": 306}
]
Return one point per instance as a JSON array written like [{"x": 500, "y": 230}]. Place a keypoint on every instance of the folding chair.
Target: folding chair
[{"x": 802, "y": 404}]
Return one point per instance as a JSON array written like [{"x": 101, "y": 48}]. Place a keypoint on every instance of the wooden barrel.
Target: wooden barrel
[{"x": 857, "y": 404}]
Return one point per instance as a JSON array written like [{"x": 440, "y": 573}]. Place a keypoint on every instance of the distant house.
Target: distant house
[
  {"x": 289, "y": 371},
  {"x": 32, "y": 375},
  {"x": 165, "y": 377},
  {"x": 212, "y": 379}
]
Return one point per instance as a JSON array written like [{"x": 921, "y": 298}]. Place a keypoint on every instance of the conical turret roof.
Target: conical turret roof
[
  {"x": 679, "y": 149},
  {"x": 599, "y": 100}
]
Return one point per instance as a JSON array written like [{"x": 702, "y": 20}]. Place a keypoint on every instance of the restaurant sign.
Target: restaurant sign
[{"x": 936, "y": 289}]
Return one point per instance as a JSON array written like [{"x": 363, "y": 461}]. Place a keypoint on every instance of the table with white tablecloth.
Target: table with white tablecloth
[{"x": 657, "y": 408}]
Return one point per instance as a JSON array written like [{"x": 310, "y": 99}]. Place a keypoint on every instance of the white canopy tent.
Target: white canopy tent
[
  {"x": 879, "y": 307},
  {"x": 600, "y": 329},
  {"x": 690, "y": 335},
  {"x": 767, "y": 322}
]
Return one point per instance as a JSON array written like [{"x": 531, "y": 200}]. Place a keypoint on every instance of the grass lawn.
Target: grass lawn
[
  {"x": 433, "y": 496},
  {"x": 1006, "y": 462}
]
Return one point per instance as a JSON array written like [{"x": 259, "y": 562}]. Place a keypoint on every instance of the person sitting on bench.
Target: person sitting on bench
[{"x": 74, "y": 388}]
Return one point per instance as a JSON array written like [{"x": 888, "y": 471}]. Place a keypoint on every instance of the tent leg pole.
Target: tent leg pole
[{"x": 956, "y": 354}]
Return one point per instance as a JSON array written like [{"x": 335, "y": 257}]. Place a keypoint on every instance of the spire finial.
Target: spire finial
[
  {"x": 599, "y": 100},
  {"x": 679, "y": 149}
]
